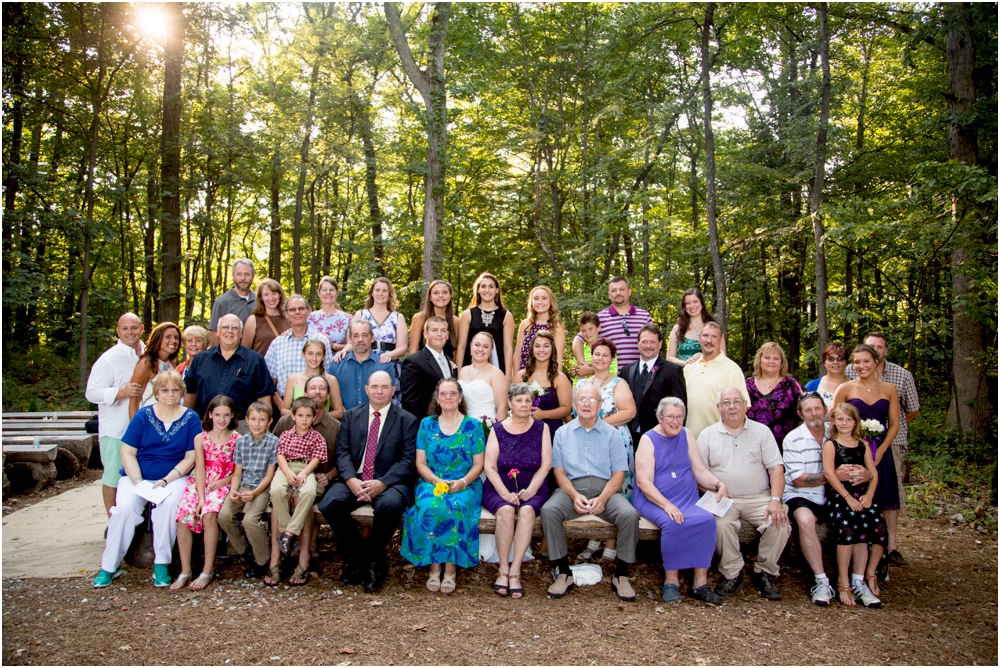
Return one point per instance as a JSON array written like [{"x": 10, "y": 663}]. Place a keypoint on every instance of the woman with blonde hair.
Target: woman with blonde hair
[
  {"x": 774, "y": 394},
  {"x": 542, "y": 314},
  {"x": 196, "y": 339},
  {"x": 331, "y": 322},
  {"x": 268, "y": 320}
]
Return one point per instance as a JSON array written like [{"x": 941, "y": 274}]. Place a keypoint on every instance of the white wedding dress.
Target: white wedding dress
[{"x": 479, "y": 399}]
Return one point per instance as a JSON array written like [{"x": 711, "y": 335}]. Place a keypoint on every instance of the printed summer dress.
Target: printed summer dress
[
  {"x": 385, "y": 333},
  {"x": 218, "y": 465}
]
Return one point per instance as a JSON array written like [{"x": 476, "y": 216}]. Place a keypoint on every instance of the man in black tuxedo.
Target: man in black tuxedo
[
  {"x": 651, "y": 378},
  {"x": 423, "y": 369},
  {"x": 376, "y": 464}
]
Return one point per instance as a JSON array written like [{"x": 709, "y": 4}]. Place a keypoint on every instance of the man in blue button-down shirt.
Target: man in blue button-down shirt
[
  {"x": 353, "y": 371},
  {"x": 589, "y": 463}
]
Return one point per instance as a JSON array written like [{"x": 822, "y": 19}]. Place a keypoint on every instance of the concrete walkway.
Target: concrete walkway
[{"x": 59, "y": 537}]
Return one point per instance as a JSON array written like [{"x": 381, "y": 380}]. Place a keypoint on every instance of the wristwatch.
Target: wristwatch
[{"x": 776, "y": 498}]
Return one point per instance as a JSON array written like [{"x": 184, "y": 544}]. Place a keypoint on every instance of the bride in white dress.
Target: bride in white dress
[{"x": 484, "y": 385}]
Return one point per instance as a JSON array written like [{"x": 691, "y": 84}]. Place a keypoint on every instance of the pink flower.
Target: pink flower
[{"x": 513, "y": 474}]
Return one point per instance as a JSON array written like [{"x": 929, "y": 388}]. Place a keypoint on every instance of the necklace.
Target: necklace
[
  {"x": 603, "y": 382},
  {"x": 487, "y": 316},
  {"x": 767, "y": 384},
  {"x": 452, "y": 425},
  {"x": 472, "y": 376}
]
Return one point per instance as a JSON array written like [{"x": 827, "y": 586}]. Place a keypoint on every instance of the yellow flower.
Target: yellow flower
[{"x": 441, "y": 489}]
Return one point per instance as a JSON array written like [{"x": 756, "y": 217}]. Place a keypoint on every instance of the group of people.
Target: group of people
[{"x": 276, "y": 404}]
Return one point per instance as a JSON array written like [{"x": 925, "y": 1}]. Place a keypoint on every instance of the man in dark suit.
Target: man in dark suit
[
  {"x": 376, "y": 455},
  {"x": 423, "y": 369},
  {"x": 651, "y": 378}
]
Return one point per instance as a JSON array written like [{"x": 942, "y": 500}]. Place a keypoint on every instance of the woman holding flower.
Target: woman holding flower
[
  {"x": 518, "y": 459},
  {"x": 553, "y": 393},
  {"x": 442, "y": 526}
]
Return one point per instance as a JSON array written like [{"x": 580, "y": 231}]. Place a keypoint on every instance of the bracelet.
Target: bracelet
[
  {"x": 164, "y": 481},
  {"x": 179, "y": 474}
]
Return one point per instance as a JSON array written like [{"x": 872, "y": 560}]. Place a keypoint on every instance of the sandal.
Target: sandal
[
  {"x": 201, "y": 582},
  {"x": 273, "y": 577},
  {"x": 299, "y": 574},
  {"x": 285, "y": 543},
  {"x": 180, "y": 581},
  {"x": 872, "y": 582},
  {"x": 842, "y": 588},
  {"x": 499, "y": 589},
  {"x": 434, "y": 581},
  {"x": 516, "y": 592},
  {"x": 448, "y": 583}
]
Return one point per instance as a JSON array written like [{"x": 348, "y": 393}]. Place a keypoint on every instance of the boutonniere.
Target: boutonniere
[{"x": 453, "y": 365}]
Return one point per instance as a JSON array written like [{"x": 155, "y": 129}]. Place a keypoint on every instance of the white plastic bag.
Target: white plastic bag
[
  {"x": 586, "y": 574},
  {"x": 488, "y": 550}
]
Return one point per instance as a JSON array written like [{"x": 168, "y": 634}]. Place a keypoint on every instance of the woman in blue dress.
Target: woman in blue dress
[
  {"x": 442, "y": 526},
  {"x": 668, "y": 470}
]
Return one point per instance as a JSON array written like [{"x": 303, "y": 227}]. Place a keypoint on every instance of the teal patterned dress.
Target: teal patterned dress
[
  {"x": 686, "y": 348},
  {"x": 441, "y": 529}
]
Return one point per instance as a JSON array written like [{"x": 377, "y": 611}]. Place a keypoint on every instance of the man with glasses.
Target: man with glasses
[
  {"x": 707, "y": 376},
  {"x": 589, "y": 464},
  {"x": 284, "y": 357},
  {"x": 622, "y": 321},
  {"x": 744, "y": 455},
  {"x": 230, "y": 369}
]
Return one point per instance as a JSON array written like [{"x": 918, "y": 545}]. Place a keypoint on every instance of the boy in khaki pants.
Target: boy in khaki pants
[
  {"x": 300, "y": 451},
  {"x": 255, "y": 460}
]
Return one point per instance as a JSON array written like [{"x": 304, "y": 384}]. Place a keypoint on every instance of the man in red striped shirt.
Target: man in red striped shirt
[{"x": 622, "y": 321}]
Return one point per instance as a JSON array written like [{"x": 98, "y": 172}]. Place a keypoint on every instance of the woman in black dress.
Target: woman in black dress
[{"x": 487, "y": 314}]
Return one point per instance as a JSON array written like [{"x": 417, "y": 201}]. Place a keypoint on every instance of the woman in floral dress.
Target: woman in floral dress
[{"x": 773, "y": 393}]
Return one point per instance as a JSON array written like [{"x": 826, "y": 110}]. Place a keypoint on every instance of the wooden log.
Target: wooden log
[
  {"x": 27, "y": 476},
  {"x": 67, "y": 464},
  {"x": 47, "y": 434},
  {"x": 42, "y": 453}
]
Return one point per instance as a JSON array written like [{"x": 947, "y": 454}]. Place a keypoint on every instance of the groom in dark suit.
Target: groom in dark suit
[
  {"x": 651, "y": 378},
  {"x": 423, "y": 369},
  {"x": 376, "y": 464}
]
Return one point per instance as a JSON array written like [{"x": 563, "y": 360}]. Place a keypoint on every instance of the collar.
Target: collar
[
  {"x": 723, "y": 430},
  {"x": 217, "y": 350},
  {"x": 382, "y": 412},
  {"x": 717, "y": 359},
  {"x": 612, "y": 311},
  {"x": 311, "y": 331},
  {"x": 248, "y": 298},
  {"x": 576, "y": 424},
  {"x": 130, "y": 348},
  {"x": 324, "y": 420},
  {"x": 652, "y": 363}
]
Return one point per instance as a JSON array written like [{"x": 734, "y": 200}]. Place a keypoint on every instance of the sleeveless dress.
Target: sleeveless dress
[
  {"x": 479, "y": 400},
  {"x": 866, "y": 525},
  {"x": 686, "y": 348},
  {"x": 529, "y": 337},
  {"x": 332, "y": 325},
  {"x": 547, "y": 402},
  {"x": 588, "y": 357},
  {"x": 495, "y": 328},
  {"x": 522, "y": 452},
  {"x": 218, "y": 465},
  {"x": 687, "y": 545},
  {"x": 147, "y": 393},
  {"x": 887, "y": 492},
  {"x": 815, "y": 385},
  {"x": 445, "y": 528},
  {"x": 263, "y": 336},
  {"x": 385, "y": 332},
  {"x": 607, "y": 408},
  {"x": 775, "y": 410}
]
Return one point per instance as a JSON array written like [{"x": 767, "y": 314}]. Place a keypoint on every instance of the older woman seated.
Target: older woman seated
[
  {"x": 518, "y": 460},
  {"x": 157, "y": 447},
  {"x": 442, "y": 525},
  {"x": 668, "y": 470}
]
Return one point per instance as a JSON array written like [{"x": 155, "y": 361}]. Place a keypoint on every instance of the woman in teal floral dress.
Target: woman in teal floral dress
[{"x": 442, "y": 526}]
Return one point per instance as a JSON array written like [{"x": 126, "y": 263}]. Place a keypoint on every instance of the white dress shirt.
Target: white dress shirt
[{"x": 111, "y": 371}]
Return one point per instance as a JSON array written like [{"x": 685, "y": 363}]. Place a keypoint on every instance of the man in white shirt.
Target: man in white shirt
[{"x": 110, "y": 388}]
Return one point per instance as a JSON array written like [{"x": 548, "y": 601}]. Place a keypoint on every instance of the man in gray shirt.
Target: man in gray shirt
[
  {"x": 239, "y": 300},
  {"x": 589, "y": 464}
]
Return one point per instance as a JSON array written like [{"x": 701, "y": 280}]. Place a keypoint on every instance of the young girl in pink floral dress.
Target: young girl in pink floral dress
[{"x": 206, "y": 491}]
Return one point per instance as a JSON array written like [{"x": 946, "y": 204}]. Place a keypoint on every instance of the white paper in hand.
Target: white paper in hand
[
  {"x": 152, "y": 494},
  {"x": 717, "y": 508}
]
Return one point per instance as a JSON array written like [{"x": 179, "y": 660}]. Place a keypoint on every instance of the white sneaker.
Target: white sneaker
[
  {"x": 822, "y": 593},
  {"x": 864, "y": 594}
]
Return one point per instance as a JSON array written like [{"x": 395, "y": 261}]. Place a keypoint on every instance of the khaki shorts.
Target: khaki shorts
[{"x": 111, "y": 458}]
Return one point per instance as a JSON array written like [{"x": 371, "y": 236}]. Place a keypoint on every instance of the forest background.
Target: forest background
[{"x": 818, "y": 170}]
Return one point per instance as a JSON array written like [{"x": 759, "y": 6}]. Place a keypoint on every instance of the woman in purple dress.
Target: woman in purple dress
[
  {"x": 668, "y": 470},
  {"x": 518, "y": 459},
  {"x": 773, "y": 393},
  {"x": 556, "y": 400}
]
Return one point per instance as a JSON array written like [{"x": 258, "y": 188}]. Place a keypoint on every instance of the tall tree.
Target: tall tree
[
  {"x": 170, "y": 163},
  {"x": 816, "y": 196},
  {"x": 708, "y": 23}
]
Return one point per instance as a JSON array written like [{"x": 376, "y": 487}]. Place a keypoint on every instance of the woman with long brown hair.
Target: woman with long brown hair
[
  {"x": 268, "y": 320},
  {"x": 436, "y": 303},
  {"x": 556, "y": 402},
  {"x": 683, "y": 344},
  {"x": 486, "y": 314},
  {"x": 162, "y": 346}
]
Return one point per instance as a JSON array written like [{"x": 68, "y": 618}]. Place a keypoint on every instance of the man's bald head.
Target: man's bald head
[
  {"x": 129, "y": 329},
  {"x": 379, "y": 389},
  {"x": 230, "y": 329}
]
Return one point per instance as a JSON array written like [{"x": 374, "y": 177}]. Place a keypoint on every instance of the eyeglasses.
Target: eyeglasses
[
  {"x": 447, "y": 395},
  {"x": 587, "y": 401},
  {"x": 625, "y": 327},
  {"x": 729, "y": 403},
  {"x": 810, "y": 395},
  {"x": 673, "y": 418},
  {"x": 835, "y": 358}
]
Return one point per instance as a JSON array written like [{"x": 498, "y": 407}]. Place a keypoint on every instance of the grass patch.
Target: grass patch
[{"x": 40, "y": 380}]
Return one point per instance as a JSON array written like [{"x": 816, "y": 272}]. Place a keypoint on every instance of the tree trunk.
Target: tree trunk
[
  {"x": 303, "y": 169},
  {"x": 371, "y": 186},
  {"x": 815, "y": 197},
  {"x": 430, "y": 82},
  {"x": 274, "y": 258},
  {"x": 713, "y": 232},
  {"x": 170, "y": 165}
]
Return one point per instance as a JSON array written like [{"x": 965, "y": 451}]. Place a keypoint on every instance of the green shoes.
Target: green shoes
[
  {"x": 104, "y": 579},
  {"x": 161, "y": 576}
]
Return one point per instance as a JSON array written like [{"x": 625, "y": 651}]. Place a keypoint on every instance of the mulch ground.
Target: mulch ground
[{"x": 941, "y": 609}]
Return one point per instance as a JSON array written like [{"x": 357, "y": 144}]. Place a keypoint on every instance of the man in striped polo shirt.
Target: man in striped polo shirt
[{"x": 621, "y": 321}]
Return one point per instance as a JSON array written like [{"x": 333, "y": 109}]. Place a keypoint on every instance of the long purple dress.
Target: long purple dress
[
  {"x": 887, "y": 492},
  {"x": 524, "y": 453},
  {"x": 688, "y": 545},
  {"x": 547, "y": 402},
  {"x": 776, "y": 409}
]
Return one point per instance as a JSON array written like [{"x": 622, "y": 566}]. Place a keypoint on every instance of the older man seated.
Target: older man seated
[
  {"x": 743, "y": 454},
  {"x": 589, "y": 464}
]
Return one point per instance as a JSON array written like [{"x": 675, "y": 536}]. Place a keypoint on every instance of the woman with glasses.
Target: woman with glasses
[
  {"x": 773, "y": 393},
  {"x": 834, "y": 360},
  {"x": 668, "y": 469}
]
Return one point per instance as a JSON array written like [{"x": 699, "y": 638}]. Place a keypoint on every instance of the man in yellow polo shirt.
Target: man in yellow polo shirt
[{"x": 708, "y": 376}]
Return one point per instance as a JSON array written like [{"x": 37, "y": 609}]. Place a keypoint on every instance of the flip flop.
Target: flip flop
[
  {"x": 180, "y": 581},
  {"x": 205, "y": 578}
]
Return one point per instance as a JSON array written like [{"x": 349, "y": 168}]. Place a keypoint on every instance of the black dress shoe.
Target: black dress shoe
[
  {"x": 727, "y": 587},
  {"x": 766, "y": 586},
  {"x": 255, "y": 570},
  {"x": 374, "y": 579},
  {"x": 705, "y": 594},
  {"x": 353, "y": 575}
]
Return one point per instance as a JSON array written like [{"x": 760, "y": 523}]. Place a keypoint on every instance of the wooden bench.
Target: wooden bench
[
  {"x": 31, "y": 467},
  {"x": 44, "y": 447}
]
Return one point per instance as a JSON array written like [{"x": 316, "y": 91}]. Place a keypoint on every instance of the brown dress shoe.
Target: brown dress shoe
[
  {"x": 623, "y": 588},
  {"x": 562, "y": 585}
]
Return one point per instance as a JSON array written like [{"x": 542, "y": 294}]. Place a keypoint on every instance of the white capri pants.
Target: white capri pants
[{"x": 126, "y": 515}]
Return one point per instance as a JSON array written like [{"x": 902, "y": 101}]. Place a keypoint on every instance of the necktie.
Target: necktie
[
  {"x": 443, "y": 363},
  {"x": 643, "y": 377},
  {"x": 368, "y": 466}
]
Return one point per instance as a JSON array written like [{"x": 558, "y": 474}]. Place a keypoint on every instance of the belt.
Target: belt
[{"x": 383, "y": 346}]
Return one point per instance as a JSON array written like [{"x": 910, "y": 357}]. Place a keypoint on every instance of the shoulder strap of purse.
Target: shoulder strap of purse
[{"x": 271, "y": 325}]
